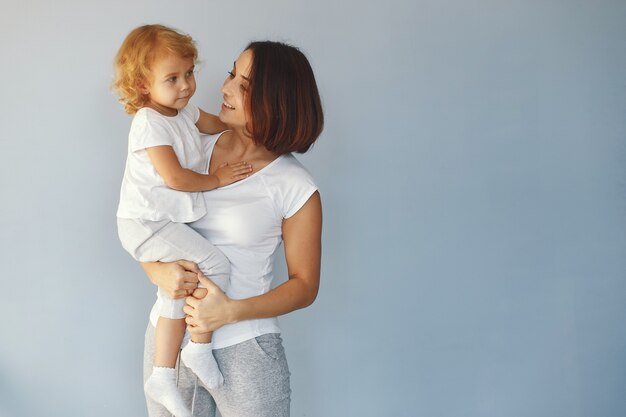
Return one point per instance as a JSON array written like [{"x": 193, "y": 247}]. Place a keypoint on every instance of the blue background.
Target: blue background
[{"x": 473, "y": 176}]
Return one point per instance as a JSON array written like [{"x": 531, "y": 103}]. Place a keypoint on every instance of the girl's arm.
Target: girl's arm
[
  {"x": 210, "y": 123},
  {"x": 208, "y": 309},
  {"x": 182, "y": 179}
]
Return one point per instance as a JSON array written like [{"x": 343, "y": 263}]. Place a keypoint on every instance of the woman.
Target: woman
[{"x": 272, "y": 108}]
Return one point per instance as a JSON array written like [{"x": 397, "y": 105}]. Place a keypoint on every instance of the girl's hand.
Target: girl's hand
[
  {"x": 208, "y": 308},
  {"x": 178, "y": 279},
  {"x": 228, "y": 173}
]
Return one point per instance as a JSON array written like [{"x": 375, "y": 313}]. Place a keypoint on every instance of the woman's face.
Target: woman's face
[{"x": 234, "y": 111}]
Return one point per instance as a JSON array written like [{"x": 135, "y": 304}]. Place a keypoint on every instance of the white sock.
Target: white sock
[
  {"x": 199, "y": 358},
  {"x": 161, "y": 387}
]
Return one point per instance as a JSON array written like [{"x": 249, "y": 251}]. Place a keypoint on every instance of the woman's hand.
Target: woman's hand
[
  {"x": 208, "y": 308},
  {"x": 178, "y": 279}
]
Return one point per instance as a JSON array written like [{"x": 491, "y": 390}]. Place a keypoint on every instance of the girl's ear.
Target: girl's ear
[{"x": 141, "y": 86}]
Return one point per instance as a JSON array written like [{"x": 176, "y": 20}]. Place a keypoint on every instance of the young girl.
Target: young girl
[{"x": 160, "y": 190}]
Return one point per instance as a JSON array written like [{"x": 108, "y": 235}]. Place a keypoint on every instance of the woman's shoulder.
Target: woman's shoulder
[
  {"x": 209, "y": 141},
  {"x": 288, "y": 168},
  {"x": 212, "y": 139},
  {"x": 290, "y": 184}
]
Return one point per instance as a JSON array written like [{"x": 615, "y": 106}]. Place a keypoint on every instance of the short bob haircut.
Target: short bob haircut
[
  {"x": 285, "y": 105},
  {"x": 138, "y": 52}
]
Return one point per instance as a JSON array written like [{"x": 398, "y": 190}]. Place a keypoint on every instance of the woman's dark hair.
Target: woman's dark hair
[{"x": 285, "y": 105}]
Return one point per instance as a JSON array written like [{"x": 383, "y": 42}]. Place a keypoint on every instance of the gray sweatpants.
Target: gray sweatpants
[
  {"x": 165, "y": 241},
  {"x": 256, "y": 380}
]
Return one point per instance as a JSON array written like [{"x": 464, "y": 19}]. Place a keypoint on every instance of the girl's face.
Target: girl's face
[
  {"x": 172, "y": 84},
  {"x": 234, "y": 111}
]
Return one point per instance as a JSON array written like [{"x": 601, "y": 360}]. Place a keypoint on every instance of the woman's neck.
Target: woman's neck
[{"x": 243, "y": 146}]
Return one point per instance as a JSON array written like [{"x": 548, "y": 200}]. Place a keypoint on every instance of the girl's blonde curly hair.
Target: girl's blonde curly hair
[{"x": 138, "y": 52}]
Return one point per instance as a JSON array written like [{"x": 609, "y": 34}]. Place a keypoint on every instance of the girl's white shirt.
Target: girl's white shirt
[{"x": 144, "y": 194}]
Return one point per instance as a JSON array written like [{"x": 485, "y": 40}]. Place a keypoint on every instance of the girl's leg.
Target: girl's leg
[
  {"x": 169, "y": 336},
  {"x": 198, "y": 356},
  {"x": 167, "y": 241},
  {"x": 196, "y": 398},
  {"x": 179, "y": 241},
  {"x": 170, "y": 242},
  {"x": 138, "y": 238},
  {"x": 161, "y": 384}
]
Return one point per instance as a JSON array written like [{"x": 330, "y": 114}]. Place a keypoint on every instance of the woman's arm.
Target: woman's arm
[
  {"x": 177, "y": 279},
  {"x": 210, "y": 123},
  {"x": 210, "y": 309}
]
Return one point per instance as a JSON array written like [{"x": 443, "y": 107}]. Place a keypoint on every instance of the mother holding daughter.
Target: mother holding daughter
[{"x": 271, "y": 108}]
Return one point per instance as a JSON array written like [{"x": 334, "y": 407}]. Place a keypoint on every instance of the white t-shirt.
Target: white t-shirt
[
  {"x": 144, "y": 194},
  {"x": 245, "y": 222}
]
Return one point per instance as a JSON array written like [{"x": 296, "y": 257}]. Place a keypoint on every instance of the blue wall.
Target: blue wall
[{"x": 473, "y": 177}]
